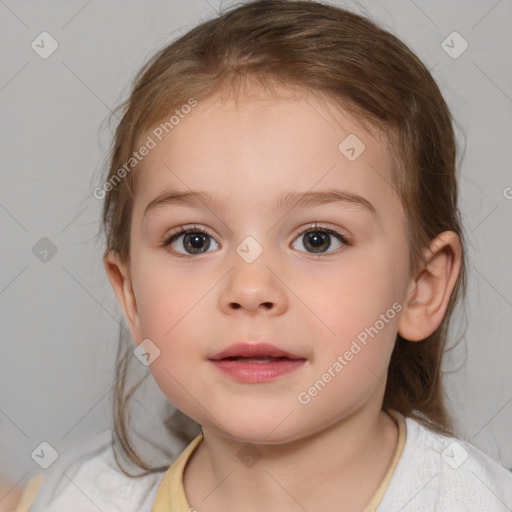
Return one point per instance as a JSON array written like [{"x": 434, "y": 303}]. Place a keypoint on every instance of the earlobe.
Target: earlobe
[
  {"x": 431, "y": 288},
  {"x": 118, "y": 273}
]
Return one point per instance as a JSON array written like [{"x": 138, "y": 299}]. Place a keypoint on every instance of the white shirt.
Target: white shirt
[
  {"x": 435, "y": 473},
  {"x": 86, "y": 479}
]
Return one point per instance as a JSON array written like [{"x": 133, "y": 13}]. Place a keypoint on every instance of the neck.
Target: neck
[{"x": 339, "y": 468}]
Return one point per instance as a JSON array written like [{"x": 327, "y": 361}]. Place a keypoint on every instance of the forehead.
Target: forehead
[{"x": 261, "y": 145}]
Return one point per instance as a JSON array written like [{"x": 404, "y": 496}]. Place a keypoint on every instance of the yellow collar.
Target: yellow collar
[{"x": 171, "y": 494}]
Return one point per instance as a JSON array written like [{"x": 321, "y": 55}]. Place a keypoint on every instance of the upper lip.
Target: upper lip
[{"x": 244, "y": 349}]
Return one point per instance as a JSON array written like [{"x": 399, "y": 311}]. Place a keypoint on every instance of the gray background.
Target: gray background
[{"x": 59, "y": 318}]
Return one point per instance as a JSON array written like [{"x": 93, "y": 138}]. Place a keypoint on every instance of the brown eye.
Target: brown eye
[
  {"x": 196, "y": 242},
  {"x": 190, "y": 241},
  {"x": 318, "y": 240}
]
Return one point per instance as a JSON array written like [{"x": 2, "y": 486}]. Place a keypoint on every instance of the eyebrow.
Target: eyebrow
[{"x": 287, "y": 201}]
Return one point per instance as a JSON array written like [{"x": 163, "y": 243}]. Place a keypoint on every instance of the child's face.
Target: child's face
[{"x": 311, "y": 304}]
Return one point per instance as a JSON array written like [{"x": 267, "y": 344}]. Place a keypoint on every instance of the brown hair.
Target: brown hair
[{"x": 348, "y": 60}]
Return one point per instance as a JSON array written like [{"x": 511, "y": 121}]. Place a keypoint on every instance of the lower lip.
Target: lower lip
[{"x": 257, "y": 372}]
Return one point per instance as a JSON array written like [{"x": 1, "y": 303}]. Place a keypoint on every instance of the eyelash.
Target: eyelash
[{"x": 313, "y": 227}]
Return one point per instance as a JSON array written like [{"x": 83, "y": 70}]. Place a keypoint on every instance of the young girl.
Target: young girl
[{"x": 283, "y": 236}]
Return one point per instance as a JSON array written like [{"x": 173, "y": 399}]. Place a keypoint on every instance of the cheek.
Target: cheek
[
  {"x": 359, "y": 310},
  {"x": 165, "y": 295},
  {"x": 172, "y": 315},
  {"x": 352, "y": 295},
  {"x": 171, "y": 309}
]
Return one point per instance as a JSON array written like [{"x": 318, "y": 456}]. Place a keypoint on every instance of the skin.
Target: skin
[{"x": 329, "y": 454}]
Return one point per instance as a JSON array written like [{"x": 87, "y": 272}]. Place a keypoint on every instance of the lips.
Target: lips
[
  {"x": 254, "y": 352},
  {"x": 256, "y": 363}
]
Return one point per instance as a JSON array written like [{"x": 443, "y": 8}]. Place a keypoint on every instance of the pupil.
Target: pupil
[{"x": 317, "y": 240}]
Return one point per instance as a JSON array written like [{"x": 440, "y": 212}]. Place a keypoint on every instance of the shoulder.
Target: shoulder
[
  {"x": 446, "y": 474},
  {"x": 88, "y": 479}
]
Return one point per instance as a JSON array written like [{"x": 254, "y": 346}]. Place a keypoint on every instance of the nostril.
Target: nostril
[{"x": 266, "y": 305}]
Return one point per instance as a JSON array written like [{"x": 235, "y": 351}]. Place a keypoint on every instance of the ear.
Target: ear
[
  {"x": 118, "y": 273},
  {"x": 430, "y": 289}
]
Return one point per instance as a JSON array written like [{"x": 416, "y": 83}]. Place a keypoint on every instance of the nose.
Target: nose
[{"x": 253, "y": 287}]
